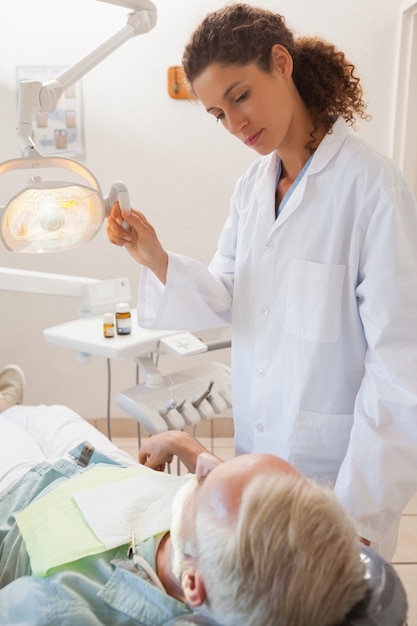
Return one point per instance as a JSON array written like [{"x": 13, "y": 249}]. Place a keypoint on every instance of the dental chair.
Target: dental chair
[{"x": 385, "y": 602}]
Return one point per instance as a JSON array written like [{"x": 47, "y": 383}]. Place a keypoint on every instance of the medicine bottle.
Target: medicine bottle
[
  {"x": 123, "y": 319},
  {"x": 108, "y": 325}
]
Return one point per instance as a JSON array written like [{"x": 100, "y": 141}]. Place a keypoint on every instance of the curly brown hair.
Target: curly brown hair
[{"x": 240, "y": 34}]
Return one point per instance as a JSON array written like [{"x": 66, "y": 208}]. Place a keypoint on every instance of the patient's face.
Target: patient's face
[{"x": 218, "y": 486}]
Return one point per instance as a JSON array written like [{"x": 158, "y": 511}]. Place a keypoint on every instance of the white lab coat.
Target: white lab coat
[{"x": 324, "y": 339}]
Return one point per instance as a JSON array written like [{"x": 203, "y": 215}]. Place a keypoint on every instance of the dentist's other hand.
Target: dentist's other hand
[{"x": 141, "y": 241}]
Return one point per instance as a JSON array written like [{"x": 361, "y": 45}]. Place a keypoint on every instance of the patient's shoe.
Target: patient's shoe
[{"x": 12, "y": 384}]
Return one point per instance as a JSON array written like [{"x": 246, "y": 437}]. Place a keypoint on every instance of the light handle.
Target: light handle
[{"x": 118, "y": 193}]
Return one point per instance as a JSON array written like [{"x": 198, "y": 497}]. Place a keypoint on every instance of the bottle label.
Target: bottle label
[
  {"x": 124, "y": 326},
  {"x": 108, "y": 330}
]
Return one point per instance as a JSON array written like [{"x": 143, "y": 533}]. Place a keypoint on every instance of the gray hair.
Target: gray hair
[{"x": 290, "y": 557}]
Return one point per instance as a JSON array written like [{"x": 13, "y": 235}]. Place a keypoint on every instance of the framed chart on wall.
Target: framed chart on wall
[
  {"x": 405, "y": 123},
  {"x": 59, "y": 133}
]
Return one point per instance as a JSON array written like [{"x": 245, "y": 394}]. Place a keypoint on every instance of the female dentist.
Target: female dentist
[{"x": 316, "y": 269}]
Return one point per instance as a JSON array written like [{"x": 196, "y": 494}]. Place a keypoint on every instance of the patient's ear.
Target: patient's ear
[
  {"x": 205, "y": 463},
  {"x": 193, "y": 587}
]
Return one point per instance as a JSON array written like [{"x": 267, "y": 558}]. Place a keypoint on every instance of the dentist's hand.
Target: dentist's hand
[{"x": 141, "y": 241}]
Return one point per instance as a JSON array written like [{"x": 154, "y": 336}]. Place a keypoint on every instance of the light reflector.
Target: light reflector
[{"x": 51, "y": 216}]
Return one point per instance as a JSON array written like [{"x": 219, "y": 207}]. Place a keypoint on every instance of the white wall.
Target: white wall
[{"x": 179, "y": 166}]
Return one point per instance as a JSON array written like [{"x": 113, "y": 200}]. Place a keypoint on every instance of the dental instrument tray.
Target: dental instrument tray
[{"x": 176, "y": 400}]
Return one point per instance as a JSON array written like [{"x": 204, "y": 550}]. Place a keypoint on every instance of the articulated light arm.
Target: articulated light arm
[{"x": 37, "y": 96}]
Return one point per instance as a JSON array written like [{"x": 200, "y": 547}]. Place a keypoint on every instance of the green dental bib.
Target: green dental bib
[{"x": 54, "y": 528}]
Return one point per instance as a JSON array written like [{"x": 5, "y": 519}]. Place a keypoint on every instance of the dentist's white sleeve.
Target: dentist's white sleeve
[{"x": 192, "y": 298}]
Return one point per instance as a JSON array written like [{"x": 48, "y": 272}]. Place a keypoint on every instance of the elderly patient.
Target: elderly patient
[{"x": 251, "y": 541}]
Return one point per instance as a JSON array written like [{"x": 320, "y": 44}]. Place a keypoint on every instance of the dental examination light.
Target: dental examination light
[{"x": 68, "y": 208}]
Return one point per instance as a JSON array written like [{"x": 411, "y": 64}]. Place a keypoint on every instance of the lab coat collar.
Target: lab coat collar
[{"x": 328, "y": 148}]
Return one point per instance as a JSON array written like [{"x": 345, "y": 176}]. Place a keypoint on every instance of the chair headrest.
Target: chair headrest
[{"x": 384, "y": 604}]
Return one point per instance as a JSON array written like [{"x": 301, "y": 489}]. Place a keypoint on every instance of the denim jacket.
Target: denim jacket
[{"x": 106, "y": 589}]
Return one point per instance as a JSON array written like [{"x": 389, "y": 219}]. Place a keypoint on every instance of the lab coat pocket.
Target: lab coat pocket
[
  {"x": 314, "y": 300},
  {"x": 321, "y": 442}
]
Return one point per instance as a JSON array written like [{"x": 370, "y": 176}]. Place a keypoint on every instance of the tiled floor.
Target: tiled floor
[{"x": 405, "y": 559}]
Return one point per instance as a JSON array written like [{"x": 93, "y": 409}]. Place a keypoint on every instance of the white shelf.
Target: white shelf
[{"x": 86, "y": 335}]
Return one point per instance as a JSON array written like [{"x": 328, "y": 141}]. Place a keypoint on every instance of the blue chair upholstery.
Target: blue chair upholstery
[{"x": 384, "y": 604}]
